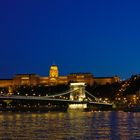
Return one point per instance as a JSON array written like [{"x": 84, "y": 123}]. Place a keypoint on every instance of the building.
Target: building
[{"x": 55, "y": 79}]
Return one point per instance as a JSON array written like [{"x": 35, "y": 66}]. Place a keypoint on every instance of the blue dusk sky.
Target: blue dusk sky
[{"x": 97, "y": 36}]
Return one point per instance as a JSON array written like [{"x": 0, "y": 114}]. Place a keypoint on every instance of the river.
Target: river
[{"x": 73, "y": 125}]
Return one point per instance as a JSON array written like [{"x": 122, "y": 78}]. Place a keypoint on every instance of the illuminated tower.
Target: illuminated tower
[
  {"x": 77, "y": 94},
  {"x": 53, "y": 71},
  {"x": 53, "y": 80}
]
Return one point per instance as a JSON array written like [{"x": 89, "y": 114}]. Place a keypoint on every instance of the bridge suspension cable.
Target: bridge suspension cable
[
  {"x": 65, "y": 93},
  {"x": 91, "y": 95}
]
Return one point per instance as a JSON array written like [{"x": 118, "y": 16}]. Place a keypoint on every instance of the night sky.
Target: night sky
[{"x": 97, "y": 36}]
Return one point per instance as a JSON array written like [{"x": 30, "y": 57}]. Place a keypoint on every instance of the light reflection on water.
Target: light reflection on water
[{"x": 70, "y": 125}]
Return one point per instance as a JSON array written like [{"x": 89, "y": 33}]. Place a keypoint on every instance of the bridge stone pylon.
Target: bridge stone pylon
[
  {"x": 78, "y": 91},
  {"x": 77, "y": 94}
]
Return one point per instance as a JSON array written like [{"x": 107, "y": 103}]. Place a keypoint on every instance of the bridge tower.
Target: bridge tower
[
  {"x": 78, "y": 95},
  {"x": 10, "y": 90}
]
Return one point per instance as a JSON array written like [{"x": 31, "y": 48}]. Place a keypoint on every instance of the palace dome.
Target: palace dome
[{"x": 54, "y": 71}]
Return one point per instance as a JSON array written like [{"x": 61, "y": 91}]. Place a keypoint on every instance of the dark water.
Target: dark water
[{"x": 72, "y": 125}]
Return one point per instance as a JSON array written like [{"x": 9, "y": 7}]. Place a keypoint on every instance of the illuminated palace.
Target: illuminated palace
[{"x": 55, "y": 79}]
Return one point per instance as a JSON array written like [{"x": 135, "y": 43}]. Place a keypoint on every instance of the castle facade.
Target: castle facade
[{"x": 55, "y": 79}]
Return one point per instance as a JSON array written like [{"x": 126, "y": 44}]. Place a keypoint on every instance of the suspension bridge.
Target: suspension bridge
[{"x": 76, "y": 97}]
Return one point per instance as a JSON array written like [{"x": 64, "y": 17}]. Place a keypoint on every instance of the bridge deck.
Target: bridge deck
[{"x": 45, "y": 98}]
